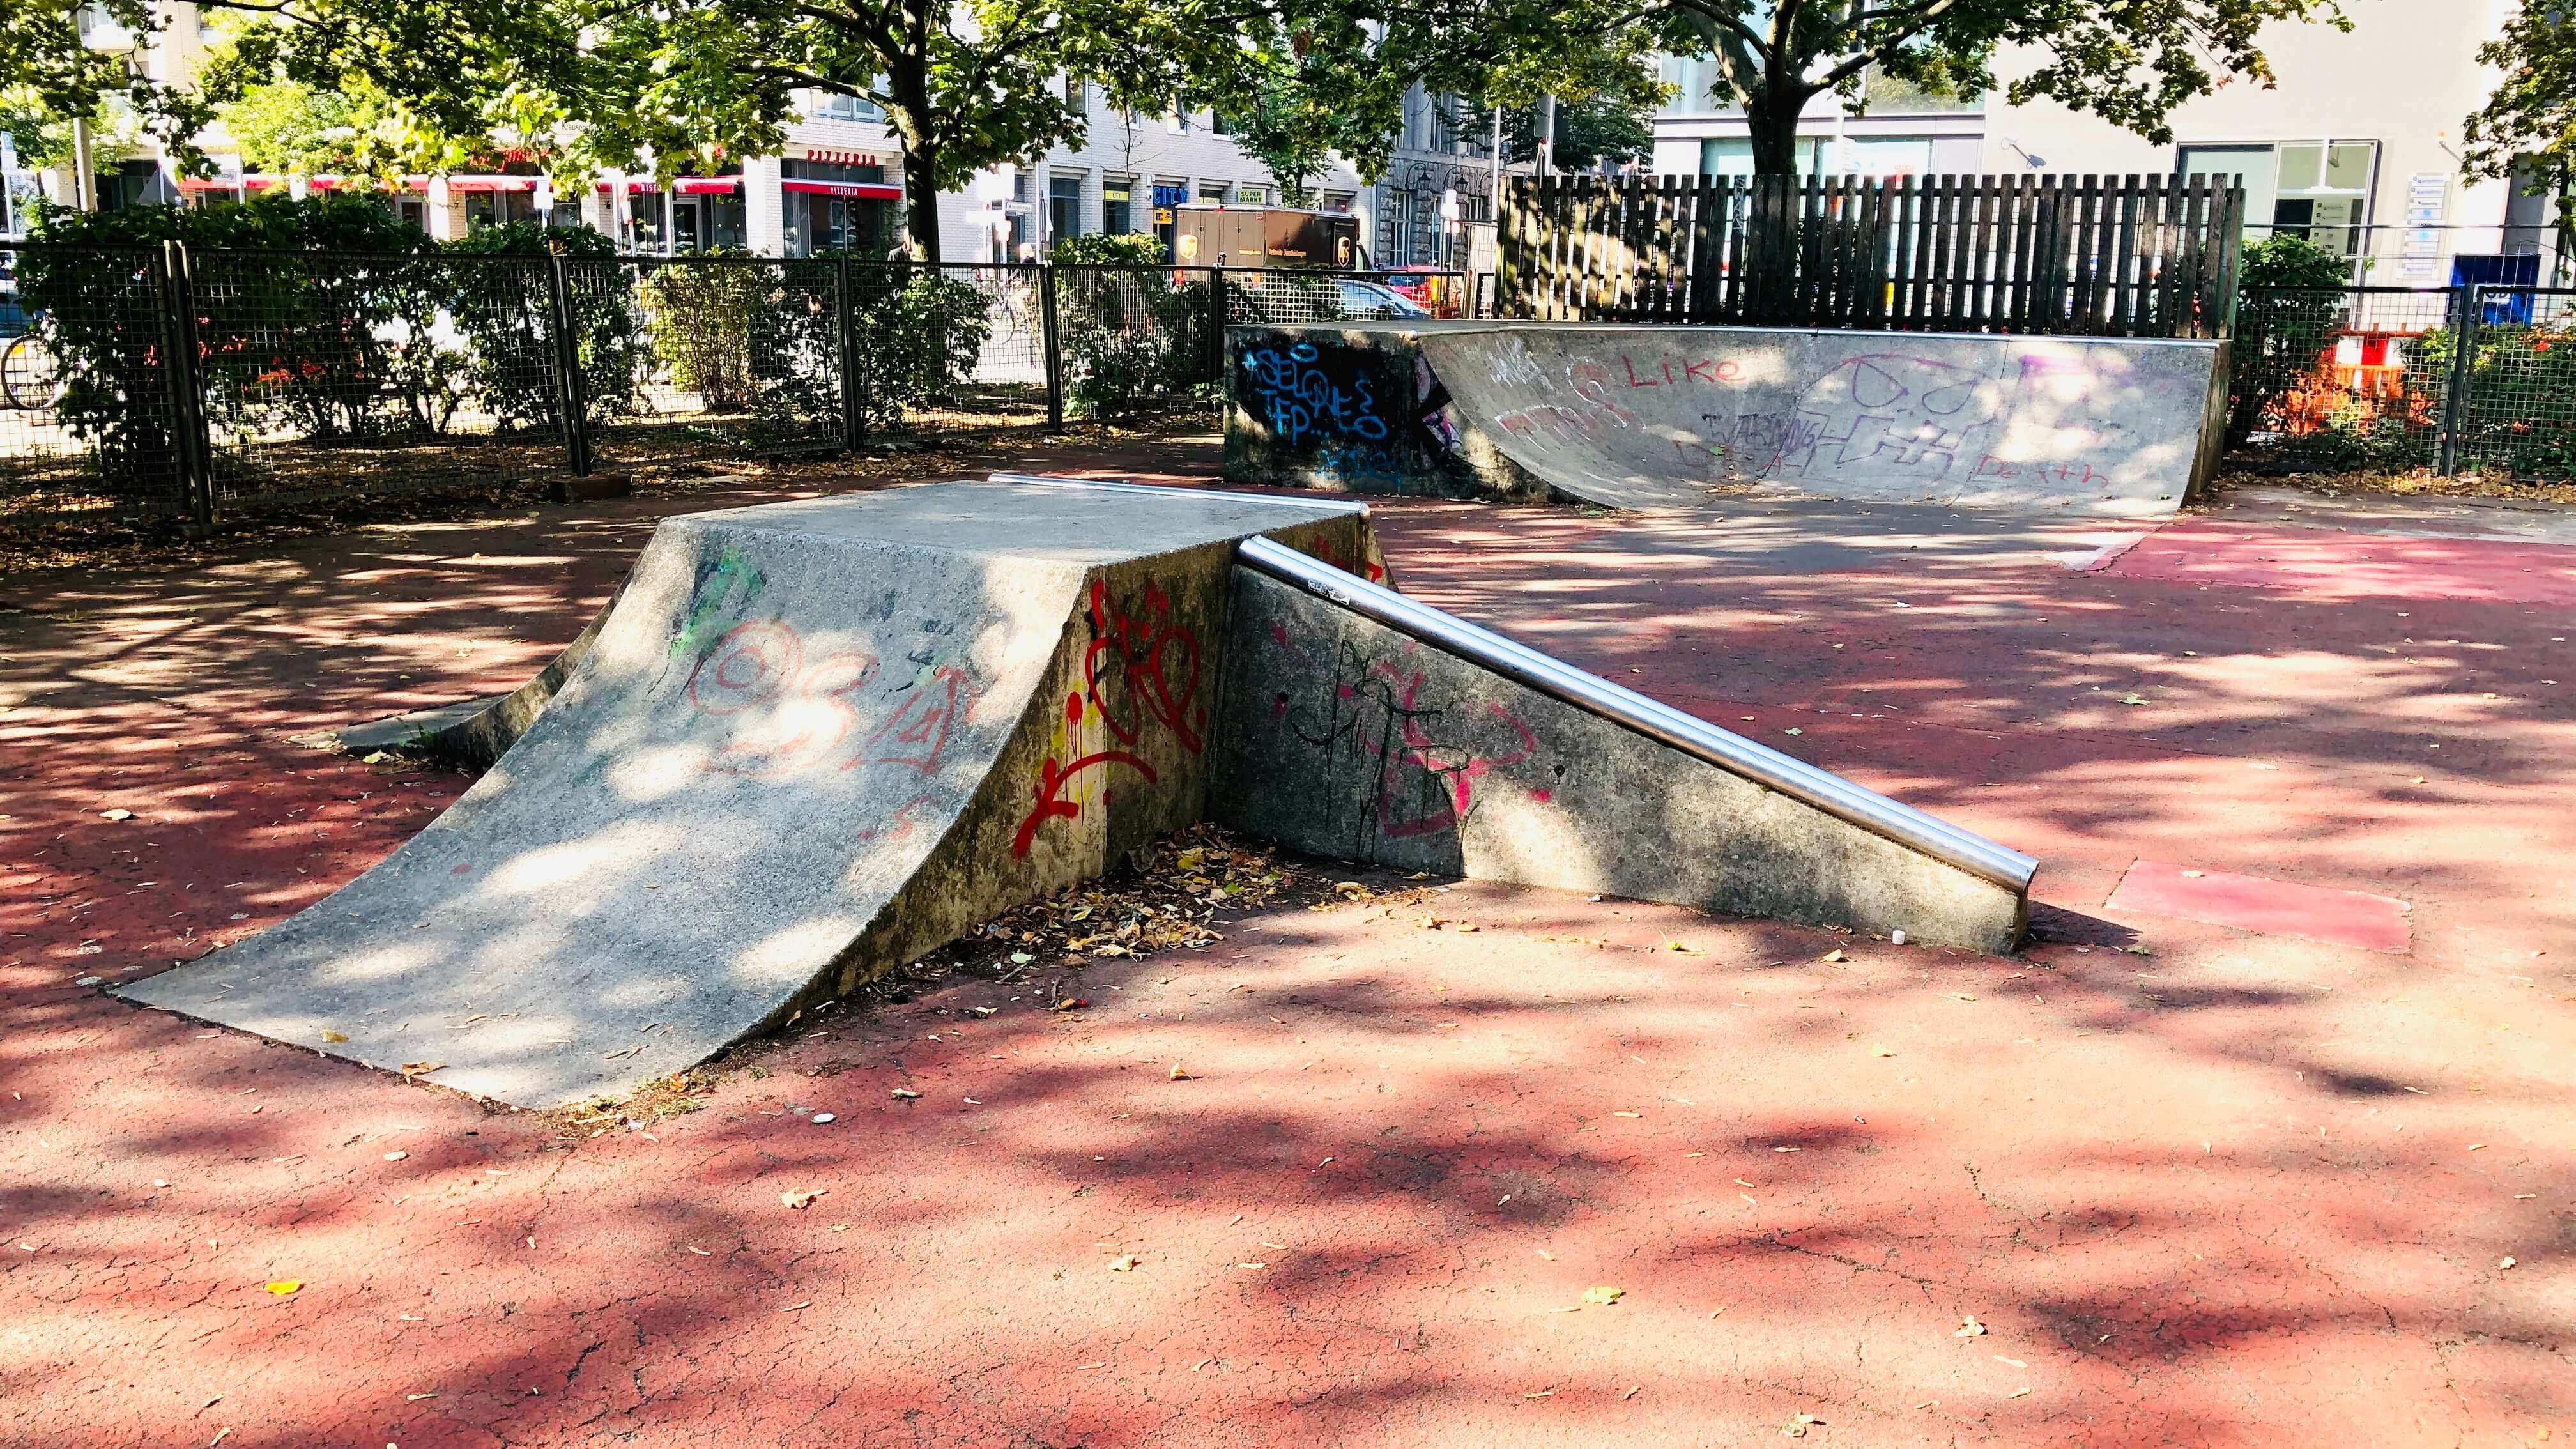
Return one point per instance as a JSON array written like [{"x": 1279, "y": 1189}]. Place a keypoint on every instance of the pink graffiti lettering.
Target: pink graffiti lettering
[{"x": 1421, "y": 753}]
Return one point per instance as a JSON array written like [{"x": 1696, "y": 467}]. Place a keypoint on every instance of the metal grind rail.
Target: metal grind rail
[{"x": 1689, "y": 734}]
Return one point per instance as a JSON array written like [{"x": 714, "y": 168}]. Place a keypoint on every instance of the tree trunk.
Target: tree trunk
[
  {"x": 1773, "y": 119},
  {"x": 921, "y": 198}
]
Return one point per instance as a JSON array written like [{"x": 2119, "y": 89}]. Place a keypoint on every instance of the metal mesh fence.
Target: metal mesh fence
[
  {"x": 963, "y": 348},
  {"x": 86, "y": 409},
  {"x": 709, "y": 356},
  {"x": 1286, "y": 296},
  {"x": 2337, "y": 379},
  {"x": 1132, "y": 343},
  {"x": 2374, "y": 378},
  {"x": 324, "y": 373},
  {"x": 2517, "y": 408}
]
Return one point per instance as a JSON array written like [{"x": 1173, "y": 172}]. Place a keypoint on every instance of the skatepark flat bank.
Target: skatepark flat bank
[
  {"x": 1656, "y": 417},
  {"x": 811, "y": 741}
]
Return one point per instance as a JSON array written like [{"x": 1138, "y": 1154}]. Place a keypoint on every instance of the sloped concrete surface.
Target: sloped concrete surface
[
  {"x": 1346, "y": 738},
  {"x": 1658, "y": 417},
  {"x": 811, "y": 740}
]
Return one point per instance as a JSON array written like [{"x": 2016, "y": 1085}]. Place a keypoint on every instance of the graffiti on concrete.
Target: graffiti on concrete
[
  {"x": 1301, "y": 396},
  {"x": 1140, "y": 674},
  {"x": 1424, "y": 760},
  {"x": 1355, "y": 421},
  {"x": 1888, "y": 409},
  {"x": 791, "y": 714}
]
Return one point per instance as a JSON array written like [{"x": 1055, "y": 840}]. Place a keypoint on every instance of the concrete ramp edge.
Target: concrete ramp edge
[{"x": 1366, "y": 725}]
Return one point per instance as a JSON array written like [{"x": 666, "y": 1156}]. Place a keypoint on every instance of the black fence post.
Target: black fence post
[
  {"x": 1052, "y": 348},
  {"x": 571, "y": 388},
  {"x": 853, "y": 411},
  {"x": 1217, "y": 313},
  {"x": 2464, "y": 361},
  {"x": 191, "y": 452}
]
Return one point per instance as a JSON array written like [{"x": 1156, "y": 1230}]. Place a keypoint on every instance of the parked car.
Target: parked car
[
  {"x": 1289, "y": 297},
  {"x": 1434, "y": 289}
]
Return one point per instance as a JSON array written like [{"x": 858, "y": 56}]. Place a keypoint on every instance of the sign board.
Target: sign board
[{"x": 2428, "y": 195}]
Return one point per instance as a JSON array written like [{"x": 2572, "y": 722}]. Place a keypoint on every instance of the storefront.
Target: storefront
[
  {"x": 838, "y": 202},
  {"x": 692, "y": 214}
]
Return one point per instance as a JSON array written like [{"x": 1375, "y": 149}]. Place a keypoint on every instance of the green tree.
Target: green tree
[
  {"x": 2526, "y": 132},
  {"x": 2130, "y": 63},
  {"x": 1613, "y": 128}
]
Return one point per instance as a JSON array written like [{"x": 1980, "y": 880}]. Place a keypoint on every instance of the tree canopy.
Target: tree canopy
[
  {"x": 2527, "y": 130},
  {"x": 2129, "y": 63}
]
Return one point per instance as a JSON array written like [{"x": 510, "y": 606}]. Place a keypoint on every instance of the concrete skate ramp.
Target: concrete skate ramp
[
  {"x": 811, "y": 741},
  {"x": 1665, "y": 416},
  {"x": 1362, "y": 725}
]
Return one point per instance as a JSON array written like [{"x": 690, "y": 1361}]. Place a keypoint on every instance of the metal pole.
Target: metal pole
[
  {"x": 1217, "y": 310},
  {"x": 1054, "y": 354},
  {"x": 1498, "y": 166},
  {"x": 2464, "y": 357},
  {"x": 853, "y": 412},
  {"x": 191, "y": 454},
  {"x": 1546, "y": 163},
  {"x": 572, "y": 388}
]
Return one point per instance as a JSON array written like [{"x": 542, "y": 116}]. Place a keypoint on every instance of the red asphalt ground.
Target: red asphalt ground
[{"x": 2249, "y": 1188}]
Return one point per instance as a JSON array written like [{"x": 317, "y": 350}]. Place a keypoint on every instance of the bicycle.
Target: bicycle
[{"x": 30, "y": 379}]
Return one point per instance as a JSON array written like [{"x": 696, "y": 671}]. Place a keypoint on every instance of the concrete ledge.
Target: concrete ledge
[{"x": 1345, "y": 738}]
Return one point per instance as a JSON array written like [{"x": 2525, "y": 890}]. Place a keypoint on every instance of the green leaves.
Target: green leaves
[{"x": 2533, "y": 111}]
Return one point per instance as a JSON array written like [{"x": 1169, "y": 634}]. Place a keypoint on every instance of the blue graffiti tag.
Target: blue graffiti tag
[{"x": 1296, "y": 398}]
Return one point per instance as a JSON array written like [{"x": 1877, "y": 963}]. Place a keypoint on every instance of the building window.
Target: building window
[
  {"x": 828, "y": 107},
  {"x": 2314, "y": 189},
  {"x": 1212, "y": 191},
  {"x": 1064, "y": 206},
  {"x": 1178, "y": 123},
  {"x": 1019, "y": 186},
  {"x": 1338, "y": 200},
  {"x": 1733, "y": 156},
  {"x": 1117, "y": 209},
  {"x": 500, "y": 208},
  {"x": 1077, "y": 95},
  {"x": 845, "y": 172}
]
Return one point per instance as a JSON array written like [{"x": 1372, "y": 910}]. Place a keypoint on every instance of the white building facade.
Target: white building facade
[{"x": 2356, "y": 147}]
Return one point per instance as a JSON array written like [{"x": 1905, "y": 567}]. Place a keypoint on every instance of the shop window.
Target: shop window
[
  {"x": 1117, "y": 209},
  {"x": 1064, "y": 206}
]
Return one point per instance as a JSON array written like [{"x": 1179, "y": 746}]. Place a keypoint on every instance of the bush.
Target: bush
[
  {"x": 2290, "y": 293},
  {"x": 700, "y": 316},
  {"x": 1126, "y": 333},
  {"x": 331, "y": 347},
  {"x": 919, "y": 339},
  {"x": 506, "y": 314}
]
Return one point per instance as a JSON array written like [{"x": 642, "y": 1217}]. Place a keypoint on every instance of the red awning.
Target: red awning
[
  {"x": 862, "y": 190},
  {"x": 706, "y": 185},
  {"x": 486, "y": 183}
]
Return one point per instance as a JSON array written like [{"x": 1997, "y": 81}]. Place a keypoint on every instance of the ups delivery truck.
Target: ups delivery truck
[{"x": 1264, "y": 236}]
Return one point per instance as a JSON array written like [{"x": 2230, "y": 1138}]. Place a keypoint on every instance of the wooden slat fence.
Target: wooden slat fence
[{"x": 2090, "y": 255}]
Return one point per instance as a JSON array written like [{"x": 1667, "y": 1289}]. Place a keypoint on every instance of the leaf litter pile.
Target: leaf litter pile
[{"x": 1174, "y": 895}]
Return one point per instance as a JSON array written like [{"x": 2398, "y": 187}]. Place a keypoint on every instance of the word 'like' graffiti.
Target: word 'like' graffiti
[{"x": 1139, "y": 669}]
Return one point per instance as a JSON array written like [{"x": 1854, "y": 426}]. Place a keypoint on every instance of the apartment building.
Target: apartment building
[{"x": 2356, "y": 147}]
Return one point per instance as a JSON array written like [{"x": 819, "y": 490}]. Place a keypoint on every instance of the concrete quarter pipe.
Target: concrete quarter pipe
[
  {"x": 811, "y": 741},
  {"x": 1654, "y": 417}
]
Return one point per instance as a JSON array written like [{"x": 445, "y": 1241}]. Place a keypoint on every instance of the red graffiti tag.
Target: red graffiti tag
[
  {"x": 1139, "y": 668},
  {"x": 1419, "y": 750}
]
